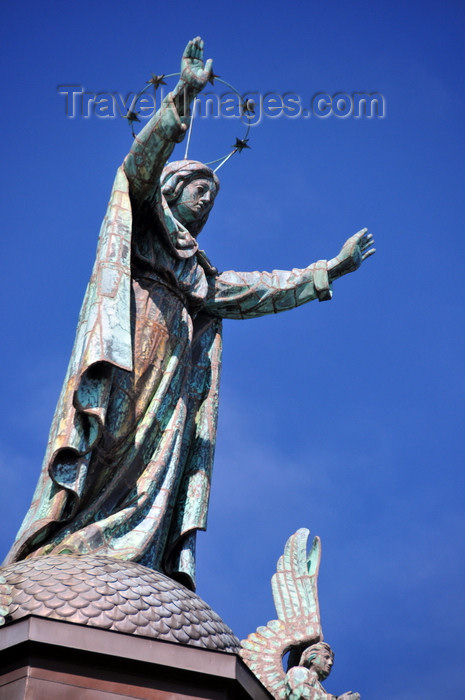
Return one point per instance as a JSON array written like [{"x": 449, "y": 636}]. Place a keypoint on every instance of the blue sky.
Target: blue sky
[{"x": 343, "y": 416}]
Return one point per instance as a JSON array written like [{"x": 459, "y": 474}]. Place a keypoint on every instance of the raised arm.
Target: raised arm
[{"x": 154, "y": 144}]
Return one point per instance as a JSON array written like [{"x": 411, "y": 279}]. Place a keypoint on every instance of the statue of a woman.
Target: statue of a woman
[{"x": 128, "y": 464}]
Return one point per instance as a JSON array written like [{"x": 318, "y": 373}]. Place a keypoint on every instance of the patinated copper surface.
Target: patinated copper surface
[
  {"x": 113, "y": 595},
  {"x": 297, "y": 629},
  {"x": 130, "y": 453}
]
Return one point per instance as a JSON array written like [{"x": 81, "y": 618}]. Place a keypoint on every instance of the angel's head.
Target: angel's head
[
  {"x": 318, "y": 657},
  {"x": 190, "y": 189}
]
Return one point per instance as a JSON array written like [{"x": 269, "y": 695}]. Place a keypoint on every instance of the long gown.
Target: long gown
[{"x": 128, "y": 464}]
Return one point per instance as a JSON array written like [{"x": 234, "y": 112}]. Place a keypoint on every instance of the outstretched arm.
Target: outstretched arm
[
  {"x": 154, "y": 144},
  {"x": 251, "y": 294}
]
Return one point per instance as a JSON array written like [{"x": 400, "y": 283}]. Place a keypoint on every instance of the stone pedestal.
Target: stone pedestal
[{"x": 46, "y": 659}]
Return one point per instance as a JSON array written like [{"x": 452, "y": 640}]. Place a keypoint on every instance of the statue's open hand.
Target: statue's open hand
[
  {"x": 354, "y": 251},
  {"x": 193, "y": 72}
]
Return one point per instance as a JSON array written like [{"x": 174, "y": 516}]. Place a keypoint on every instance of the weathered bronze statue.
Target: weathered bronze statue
[
  {"x": 303, "y": 681},
  {"x": 128, "y": 464}
]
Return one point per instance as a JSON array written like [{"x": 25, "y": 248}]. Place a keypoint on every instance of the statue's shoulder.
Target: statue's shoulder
[{"x": 301, "y": 684}]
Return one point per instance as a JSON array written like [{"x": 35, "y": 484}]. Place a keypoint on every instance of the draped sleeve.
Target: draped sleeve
[{"x": 241, "y": 295}]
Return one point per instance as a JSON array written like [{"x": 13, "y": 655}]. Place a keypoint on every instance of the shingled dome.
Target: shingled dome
[{"x": 114, "y": 595}]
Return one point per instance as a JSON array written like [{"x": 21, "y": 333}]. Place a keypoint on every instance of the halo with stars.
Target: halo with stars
[{"x": 247, "y": 112}]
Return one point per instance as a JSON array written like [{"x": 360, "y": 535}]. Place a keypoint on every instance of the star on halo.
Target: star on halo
[
  {"x": 212, "y": 77},
  {"x": 240, "y": 144},
  {"x": 156, "y": 80},
  {"x": 248, "y": 107},
  {"x": 132, "y": 116}
]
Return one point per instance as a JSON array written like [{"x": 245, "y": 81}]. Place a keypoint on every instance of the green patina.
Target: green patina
[{"x": 128, "y": 465}]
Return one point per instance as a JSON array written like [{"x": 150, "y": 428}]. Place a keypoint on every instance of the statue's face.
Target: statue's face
[
  {"x": 323, "y": 663},
  {"x": 195, "y": 201}
]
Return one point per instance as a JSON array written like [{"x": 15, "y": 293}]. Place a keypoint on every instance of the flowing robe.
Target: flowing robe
[{"x": 128, "y": 464}]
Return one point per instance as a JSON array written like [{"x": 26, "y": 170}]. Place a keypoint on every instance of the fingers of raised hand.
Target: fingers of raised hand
[
  {"x": 194, "y": 48},
  {"x": 357, "y": 237},
  {"x": 188, "y": 50},
  {"x": 360, "y": 233},
  {"x": 368, "y": 253},
  {"x": 366, "y": 241},
  {"x": 208, "y": 66},
  {"x": 366, "y": 246},
  {"x": 198, "y": 47}
]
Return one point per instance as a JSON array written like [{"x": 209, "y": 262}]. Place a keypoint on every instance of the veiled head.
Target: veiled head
[
  {"x": 190, "y": 188},
  {"x": 318, "y": 657}
]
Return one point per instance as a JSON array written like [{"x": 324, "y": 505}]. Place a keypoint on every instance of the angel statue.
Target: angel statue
[
  {"x": 129, "y": 458},
  {"x": 297, "y": 629},
  {"x": 303, "y": 681}
]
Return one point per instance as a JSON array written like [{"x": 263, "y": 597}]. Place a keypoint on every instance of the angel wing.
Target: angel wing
[{"x": 295, "y": 595}]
